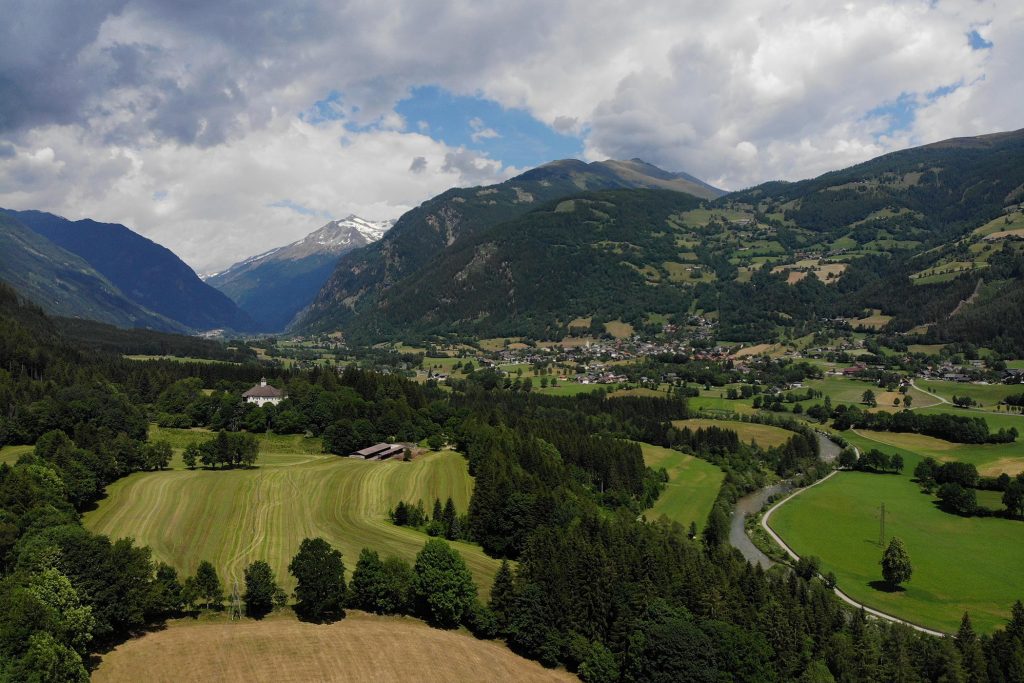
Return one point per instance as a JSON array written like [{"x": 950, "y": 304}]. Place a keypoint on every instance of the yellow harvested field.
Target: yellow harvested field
[
  {"x": 795, "y": 276},
  {"x": 580, "y": 322},
  {"x": 885, "y": 399},
  {"x": 764, "y": 435},
  {"x": 827, "y": 272},
  {"x": 1002, "y": 234},
  {"x": 833, "y": 269},
  {"x": 1011, "y": 466},
  {"x": 618, "y": 329},
  {"x": 233, "y": 517},
  {"x": 361, "y": 647},
  {"x": 755, "y": 350}
]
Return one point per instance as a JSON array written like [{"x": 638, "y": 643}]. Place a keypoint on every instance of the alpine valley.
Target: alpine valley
[{"x": 273, "y": 287}]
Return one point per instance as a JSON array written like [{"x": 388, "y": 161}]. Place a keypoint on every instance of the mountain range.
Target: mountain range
[
  {"x": 64, "y": 284},
  {"x": 273, "y": 287},
  {"x": 913, "y": 233},
  {"x": 422, "y": 235},
  {"x": 933, "y": 237},
  {"x": 106, "y": 272}
]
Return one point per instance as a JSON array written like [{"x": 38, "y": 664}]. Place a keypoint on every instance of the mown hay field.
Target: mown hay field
[
  {"x": 233, "y": 517},
  {"x": 764, "y": 435},
  {"x": 361, "y": 647},
  {"x": 691, "y": 489}
]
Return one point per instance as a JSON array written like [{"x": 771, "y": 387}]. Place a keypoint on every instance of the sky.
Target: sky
[{"x": 222, "y": 129}]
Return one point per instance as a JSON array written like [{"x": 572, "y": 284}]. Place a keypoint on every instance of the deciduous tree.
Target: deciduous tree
[
  {"x": 442, "y": 586},
  {"x": 320, "y": 581},
  {"x": 262, "y": 594}
]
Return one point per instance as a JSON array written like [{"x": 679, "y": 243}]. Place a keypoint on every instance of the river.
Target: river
[{"x": 751, "y": 504}]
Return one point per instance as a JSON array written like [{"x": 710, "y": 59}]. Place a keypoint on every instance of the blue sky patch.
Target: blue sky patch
[
  {"x": 297, "y": 208},
  {"x": 902, "y": 111},
  {"x": 512, "y": 136},
  {"x": 976, "y": 42},
  {"x": 899, "y": 113}
]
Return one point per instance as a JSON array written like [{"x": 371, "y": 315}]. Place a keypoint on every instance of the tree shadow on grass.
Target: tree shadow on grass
[{"x": 886, "y": 587}]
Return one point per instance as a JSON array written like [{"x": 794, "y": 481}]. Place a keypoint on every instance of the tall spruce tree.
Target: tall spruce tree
[{"x": 896, "y": 567}]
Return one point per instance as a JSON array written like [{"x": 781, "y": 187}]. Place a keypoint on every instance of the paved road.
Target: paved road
[
  {"x": 842, "y": 596},
  {"x": 751, "y": 504}
]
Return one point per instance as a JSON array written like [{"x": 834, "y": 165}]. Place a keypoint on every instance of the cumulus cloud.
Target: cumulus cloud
[
  {"x": 481, "y": 131},
  {"x": 216, "y": 205},
  {"x": 188, "y": 121}
]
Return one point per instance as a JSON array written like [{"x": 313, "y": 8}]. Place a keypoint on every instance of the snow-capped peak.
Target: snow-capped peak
[{"x": 333, "y": 238}]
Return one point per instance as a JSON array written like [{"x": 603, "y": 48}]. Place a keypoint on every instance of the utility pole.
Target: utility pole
[
  {"x": 236, "y": 602},
  {"x": 881, "y": 537}
]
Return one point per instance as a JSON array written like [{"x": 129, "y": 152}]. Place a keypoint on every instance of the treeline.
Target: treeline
[
  {"x": 957, "y": 482},
  {"x": 351, "y": 410},
  {"x": 227, "y": 449},
  {"x": 955, "y": 428},
  {"x": 873, "y": 460},
  {"x": 101, "y": 336},
  {"x": 616, "y": 599},
  {"x": 442, "y": 521}
]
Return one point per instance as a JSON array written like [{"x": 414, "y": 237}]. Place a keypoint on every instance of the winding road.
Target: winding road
[{"x": 751, "y": 504}]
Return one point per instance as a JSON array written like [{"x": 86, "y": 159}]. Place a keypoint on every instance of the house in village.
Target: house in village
[{"x": 263, "y": 393}]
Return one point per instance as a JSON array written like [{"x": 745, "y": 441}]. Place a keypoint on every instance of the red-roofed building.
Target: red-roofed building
[
  {"x": 855, "y": 369},
  {"x": 264, "y": 393}
]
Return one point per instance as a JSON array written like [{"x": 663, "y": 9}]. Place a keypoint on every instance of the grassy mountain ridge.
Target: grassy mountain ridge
[
  {"x": 423, "y": 233},
  {"x": 927, "y": 194}
]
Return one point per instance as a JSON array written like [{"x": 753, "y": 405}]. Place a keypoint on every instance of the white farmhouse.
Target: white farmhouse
[{"x": 263, "y": 393}]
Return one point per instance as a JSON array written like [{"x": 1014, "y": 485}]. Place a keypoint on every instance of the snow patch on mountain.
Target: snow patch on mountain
[{"x": 335, "y": 237}]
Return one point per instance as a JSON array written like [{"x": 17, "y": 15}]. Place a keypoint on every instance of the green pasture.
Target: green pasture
[
  {"x": 764, "y": 435},
  {"x": 10, "y": 454},
  {"x": 275, "y": 449},
  {"x": 988, "y": 395},
  {"x": 960, "y": 564},
  {"x": 572, "y": 388}
]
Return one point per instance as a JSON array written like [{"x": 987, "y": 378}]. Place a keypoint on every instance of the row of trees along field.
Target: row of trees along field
[{"x": 559, "y": 486}]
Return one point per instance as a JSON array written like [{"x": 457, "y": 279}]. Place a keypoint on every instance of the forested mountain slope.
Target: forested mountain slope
[
  {"x": 150, "y": 275},
  {"x": 932, "y": 236},
  {"x": 63, "y": 283},
  {"x": 600, "y": 254},
  {"x": 420, "y": 235}
]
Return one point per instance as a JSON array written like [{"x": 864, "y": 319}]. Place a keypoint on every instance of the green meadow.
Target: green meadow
[
  {"x": 960, "y": 564},
  {"x": 691, "y": 489}
]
